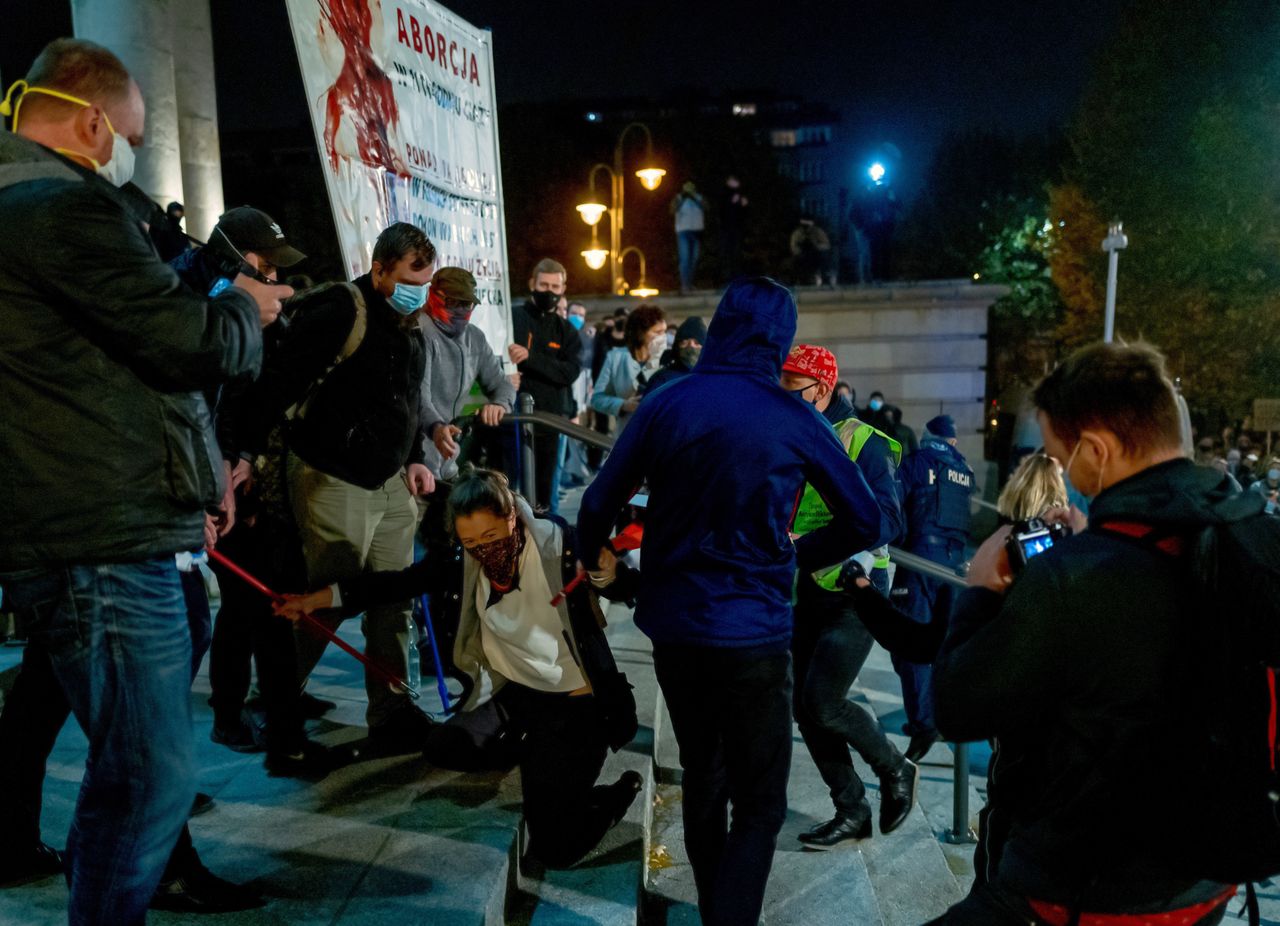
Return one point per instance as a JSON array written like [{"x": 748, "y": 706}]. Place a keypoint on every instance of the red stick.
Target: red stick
[{"x": 315, "y": 625}]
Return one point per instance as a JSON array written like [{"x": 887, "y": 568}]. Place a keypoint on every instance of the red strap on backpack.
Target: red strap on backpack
[{"x": 1171, "y": 544}]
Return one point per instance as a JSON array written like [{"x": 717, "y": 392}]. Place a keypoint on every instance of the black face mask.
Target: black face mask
[
  {"x": 799, "y": 394},
  {"x": 454, "y": 327},
  {"x": 544, "y": 301}
]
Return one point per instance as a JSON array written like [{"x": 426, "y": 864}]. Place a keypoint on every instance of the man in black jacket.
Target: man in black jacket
[
  {"x": 1074, "y": 667},
  {"x": 547, "y": 351},
  {"x": 352, "y": 369},
  {"x": 111, "y": 462}
]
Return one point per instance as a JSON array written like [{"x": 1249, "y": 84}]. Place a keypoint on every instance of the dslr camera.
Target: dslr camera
[{"x": 1031, "y": 538}]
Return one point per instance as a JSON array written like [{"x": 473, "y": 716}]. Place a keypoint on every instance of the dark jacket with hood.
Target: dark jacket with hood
[
  {"x": 726, "y": 452},
  {"x": 108, "y": 447},
  {"x": 554, "y": 361},
  {"x": 1077, "y": 672},
  {"x": 362, "y": 422}
]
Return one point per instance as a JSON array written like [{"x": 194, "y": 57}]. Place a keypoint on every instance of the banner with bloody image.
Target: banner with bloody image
[{"x": 402, "y": 100}]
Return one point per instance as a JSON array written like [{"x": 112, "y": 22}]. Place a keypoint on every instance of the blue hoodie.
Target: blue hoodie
[{"x": 726, "y": 452}]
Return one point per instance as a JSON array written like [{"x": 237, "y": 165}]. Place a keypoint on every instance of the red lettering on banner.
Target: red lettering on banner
[
  {"x": 441, "y": 45},
  {"x": 435, "y": 45},
  {"x": 453, "y": 46},
  {"x": 402, "y": 34},
  {"x": 475, "y": 71},
  {"x": 417, "y": 34}
]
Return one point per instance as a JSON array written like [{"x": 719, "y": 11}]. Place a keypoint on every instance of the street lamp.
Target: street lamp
[
  {"x": 1115, "y": 242},
  {"x": 876, "y": 172},
  {"x": 592, "y": 211},
  {"x": 643, "y": 291}
]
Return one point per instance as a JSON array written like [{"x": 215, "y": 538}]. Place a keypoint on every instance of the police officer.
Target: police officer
[
  {"x": 935, "y": 483},
  {"x": 830, "y": 643}
]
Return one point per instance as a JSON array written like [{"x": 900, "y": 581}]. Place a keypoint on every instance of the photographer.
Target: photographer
[{"x": 1077, "y": 667}]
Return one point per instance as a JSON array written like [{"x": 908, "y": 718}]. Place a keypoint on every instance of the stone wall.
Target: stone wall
[{"x": 924, "y": 345}]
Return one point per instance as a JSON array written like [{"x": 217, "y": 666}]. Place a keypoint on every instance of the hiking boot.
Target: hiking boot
[
  {"x": 198, "y": 890},
  {"x": 840, "y": 831},
  {"x": 36, "y": 863},
  {"x": 898, "y": 796}
]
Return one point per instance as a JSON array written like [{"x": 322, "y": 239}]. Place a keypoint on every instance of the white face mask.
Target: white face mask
[
  {"x": 119, "y": 167},
  {"x": 1066, "y": 472}
]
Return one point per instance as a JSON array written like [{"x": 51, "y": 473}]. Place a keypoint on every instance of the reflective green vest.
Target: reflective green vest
[{"x": 813, "y": 512}]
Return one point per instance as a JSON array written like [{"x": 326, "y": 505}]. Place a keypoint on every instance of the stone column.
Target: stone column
[
  {"x": 197, "y": 116},
  {"x": 140, "y": 32}
]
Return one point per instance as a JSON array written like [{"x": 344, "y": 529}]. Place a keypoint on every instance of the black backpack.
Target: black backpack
[{"x": 1230, "y": 659}]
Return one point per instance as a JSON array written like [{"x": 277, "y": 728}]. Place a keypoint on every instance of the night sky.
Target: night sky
[{"x": 904, "y": 72}]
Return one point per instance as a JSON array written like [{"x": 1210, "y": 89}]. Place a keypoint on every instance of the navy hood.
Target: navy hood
[{"x": 751, "y": 331}]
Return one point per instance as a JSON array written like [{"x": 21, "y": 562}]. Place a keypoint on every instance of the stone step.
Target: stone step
[{"x": 896, "y": 880}]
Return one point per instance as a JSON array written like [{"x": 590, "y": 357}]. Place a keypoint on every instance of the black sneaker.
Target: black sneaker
[
  {"x": 235, "y": 736},
  {"x": 837, "y": 832},
  {"x": 313, "y": 708},
  {"x": 198, "y": 890},
  {"x": 404, "y": 732},
  {"x": 310, "y": 761},
  {"x": 203, "y": 803},
  {"x": 35, "y": 864}
]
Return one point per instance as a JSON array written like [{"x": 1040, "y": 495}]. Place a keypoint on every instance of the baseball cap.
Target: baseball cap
[
  {"x": 250, "y": 229},
  {"x": 809, "y": 360},
  {"x": 455, "y": 283}
]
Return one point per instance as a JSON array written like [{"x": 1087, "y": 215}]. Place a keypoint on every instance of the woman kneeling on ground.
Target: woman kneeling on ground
[{"x": 553, "y": 676}]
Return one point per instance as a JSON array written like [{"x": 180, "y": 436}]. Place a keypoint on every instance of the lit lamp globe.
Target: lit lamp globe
[
  {"x": 643, "y": 292},
  {"x": 591, "y": 212},
  {"x": 595, "y": 257},
  {"x": 651, "y": 177},
  {"x": 876, "y": 172}
]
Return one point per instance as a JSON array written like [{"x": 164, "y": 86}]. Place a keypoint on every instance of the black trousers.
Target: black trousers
[
  {"x": 561, "y": 754},
  {"x": 829, "y": 648},
  {"x": 33, "y": 716},
  {"x": 731, "y": 712},
  {"x": 246, "y": 632}
]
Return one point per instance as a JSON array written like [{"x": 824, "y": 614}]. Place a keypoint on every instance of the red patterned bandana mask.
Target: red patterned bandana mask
[{"x": 499, "y": 558}]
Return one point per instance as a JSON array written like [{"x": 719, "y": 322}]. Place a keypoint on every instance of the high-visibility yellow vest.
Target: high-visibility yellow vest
[{"x": 813, "y": 512}]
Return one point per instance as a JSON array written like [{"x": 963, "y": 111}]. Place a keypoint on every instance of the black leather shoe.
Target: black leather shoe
[
  {"x": 310, "y": 762},
  {"x": 199, "y": 890},
  {"x": 920, "y": 745},
  {"x": 898, "y": 796},
  {"x": 235, "y": 736},
  {"x": 203, "y": 803},
  {"x": 838, "y": 832},
  {"x": 404, "y": 732},
  {"x": 35, "y": 864},
  {"x": 625, "y": 789}
]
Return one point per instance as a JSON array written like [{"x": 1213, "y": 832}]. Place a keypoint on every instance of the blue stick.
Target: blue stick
[{"x": 435, "y": 653}]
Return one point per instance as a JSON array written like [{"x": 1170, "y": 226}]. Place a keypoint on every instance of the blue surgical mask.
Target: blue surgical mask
[
  {"x": 876, "y": 405},
  {"x": 1273, "y": 475},
  {"x": 577, "y": 321},
  {"x": 407, "y": 298}
]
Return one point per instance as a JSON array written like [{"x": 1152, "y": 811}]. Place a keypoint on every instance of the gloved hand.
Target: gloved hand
[{"x": 852, "y": 574}]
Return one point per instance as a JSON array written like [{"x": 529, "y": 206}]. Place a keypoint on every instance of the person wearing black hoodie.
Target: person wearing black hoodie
[
  {"x": 1076, "y": 668},
  {"x": 726, "y": 452}
]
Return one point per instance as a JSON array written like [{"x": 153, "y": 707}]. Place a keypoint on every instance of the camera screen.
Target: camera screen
[{"x": 1032, "y": 546}]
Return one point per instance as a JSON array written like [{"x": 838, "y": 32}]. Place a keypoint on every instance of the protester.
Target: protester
[
  {"x": 1076, "y": 667},
  {"x": 106, "y": 364},
  {"x": 830, "y": 642},
  {"x": 547, "y": 351},
  {"x": 458, "y": 356},
  {"x": 1268, "y": 486},
  {"x": 169, "y": 237},
  {"x": 627, "y": 370},
  {"x": 686, "y": 349},
  {"x": 690, "y": 213},
  {"x": 718, "y": 574},
  {"x": 935, "y": 483},
  {"x": 548, "y": 665},
  {"x": 731, "y": 213},
  {"x": 900, "y": 432},
  {"x": 357, "y": 451},
  {"x": 810, "y": 253},
  {"x": 1035, "y": 488}
]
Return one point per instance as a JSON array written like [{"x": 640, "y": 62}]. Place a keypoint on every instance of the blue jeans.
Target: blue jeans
[
  {"x": 118, "y": 639},
  {"x": 687, "y": 244}
]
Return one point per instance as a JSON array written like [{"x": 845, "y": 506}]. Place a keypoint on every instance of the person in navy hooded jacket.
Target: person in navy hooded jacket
[{"x": 726, "y": 452}]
